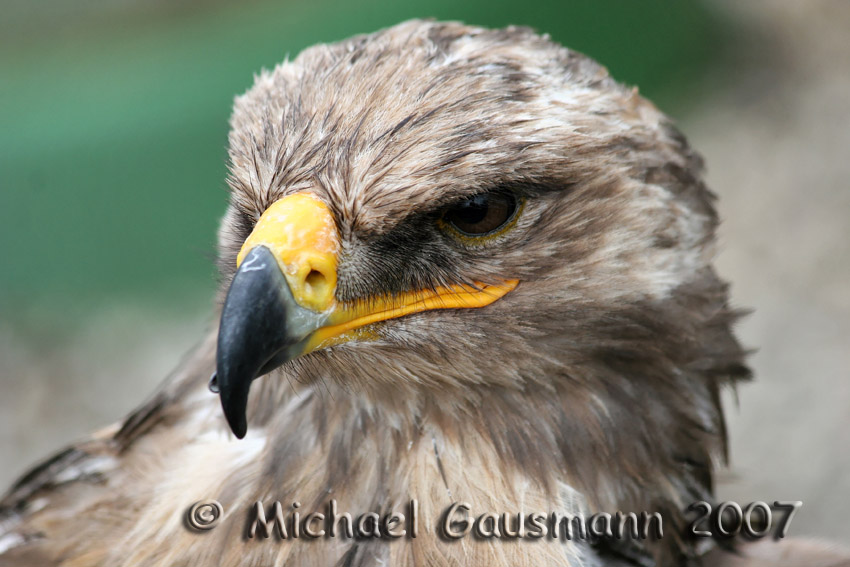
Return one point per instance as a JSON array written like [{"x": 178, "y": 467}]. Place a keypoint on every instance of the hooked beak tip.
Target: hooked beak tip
[{"x": 261, "y": 328}]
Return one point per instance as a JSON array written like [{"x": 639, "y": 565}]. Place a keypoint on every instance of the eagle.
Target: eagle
[{"x": 461, "y": 269}]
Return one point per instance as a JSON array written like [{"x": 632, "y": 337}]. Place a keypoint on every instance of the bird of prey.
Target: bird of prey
[{"x": 458, "y": 265}]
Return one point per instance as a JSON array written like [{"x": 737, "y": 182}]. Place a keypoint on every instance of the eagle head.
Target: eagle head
[{"x": 455, "y": 225}]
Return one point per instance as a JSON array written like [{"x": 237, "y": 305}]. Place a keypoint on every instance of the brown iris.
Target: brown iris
[{"x": 481, "y": 214}]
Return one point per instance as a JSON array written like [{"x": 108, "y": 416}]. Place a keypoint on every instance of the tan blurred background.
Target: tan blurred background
[{"x": 112, "y": 143}]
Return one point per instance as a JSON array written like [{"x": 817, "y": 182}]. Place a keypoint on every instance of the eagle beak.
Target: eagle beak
[
  {"x": 283, "y": 292},
  {"x": 281, "y": 303},
  {"x": 262, "y": 326}
]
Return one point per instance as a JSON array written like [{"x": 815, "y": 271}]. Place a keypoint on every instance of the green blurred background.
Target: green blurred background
[
  {"x": 114, "y": 120},
  {"x": 113, "y": 125}
]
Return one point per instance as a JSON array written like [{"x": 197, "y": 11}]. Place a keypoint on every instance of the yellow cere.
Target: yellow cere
[{"x": 300, "y": 232}]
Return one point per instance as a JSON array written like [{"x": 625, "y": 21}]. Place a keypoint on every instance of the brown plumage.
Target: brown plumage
[{"x": 592, "y": 386}]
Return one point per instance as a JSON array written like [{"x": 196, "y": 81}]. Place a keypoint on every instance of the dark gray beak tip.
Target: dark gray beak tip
[
  {"x": 235, "y": 406},
  {"x": 261, "y": 328},
  {"x": 252, "y": 331},
  {"x": 234, "y": 411}
]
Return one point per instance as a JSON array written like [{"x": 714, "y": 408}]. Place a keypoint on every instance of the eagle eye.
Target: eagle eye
[{"x": 485, "y": 214}]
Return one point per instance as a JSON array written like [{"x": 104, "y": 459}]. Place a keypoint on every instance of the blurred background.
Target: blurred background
[{"x": 113, "y": 124}]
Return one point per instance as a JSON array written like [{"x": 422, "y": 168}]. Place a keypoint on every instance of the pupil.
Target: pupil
[{"x": 473, "y": 211}]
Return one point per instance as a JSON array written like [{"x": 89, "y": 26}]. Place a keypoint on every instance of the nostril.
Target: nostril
[
  {"x": 315, "y": 280},
  {"x": 312, "y": 282}
]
